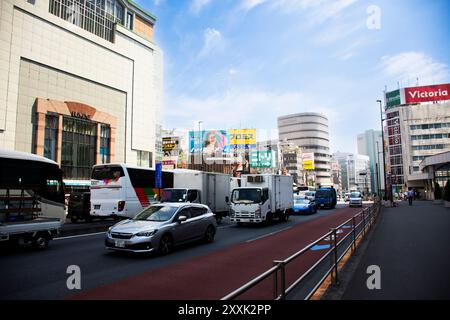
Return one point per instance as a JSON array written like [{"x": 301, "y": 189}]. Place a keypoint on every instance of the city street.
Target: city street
[{"x": 237, "y": 255}]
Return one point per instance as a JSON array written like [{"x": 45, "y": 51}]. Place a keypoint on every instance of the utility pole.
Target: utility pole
[{"x": 384, "y": 155}]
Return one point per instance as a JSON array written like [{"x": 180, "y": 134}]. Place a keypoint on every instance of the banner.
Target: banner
[{"x": 242, "y": 138}]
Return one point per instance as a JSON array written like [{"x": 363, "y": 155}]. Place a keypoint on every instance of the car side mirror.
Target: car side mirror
[
  {"x": 227, "y": 199},
  {"x": 181, "y": 219}
]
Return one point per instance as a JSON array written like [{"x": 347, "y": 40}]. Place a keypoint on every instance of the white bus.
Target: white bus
[
  {"x": 122, "y": 190},
  {"x": 31, "y": 187}
]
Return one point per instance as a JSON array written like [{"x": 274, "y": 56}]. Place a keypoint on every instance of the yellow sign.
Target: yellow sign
[
  {"x": 242, "y": 137},
  {"x": 308, "y": 161}
]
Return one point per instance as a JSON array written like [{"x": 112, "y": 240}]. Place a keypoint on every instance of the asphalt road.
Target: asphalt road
[{"x": 29, "y": 274}]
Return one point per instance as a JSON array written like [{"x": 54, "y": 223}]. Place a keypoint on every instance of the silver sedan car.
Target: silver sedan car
[{"x": 160, "y": 227}]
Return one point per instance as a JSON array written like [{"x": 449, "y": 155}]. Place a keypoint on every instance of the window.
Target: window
[
  {"x": 144, "y": 159},
  {"x": 105, "y": 141},
  {"x": 51, "y": 136},
  {"x": 129, "y": 24},
  {"x": 196, "y": 212}
]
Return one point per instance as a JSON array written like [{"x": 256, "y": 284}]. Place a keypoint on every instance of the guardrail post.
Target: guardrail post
[
  {"x": 281, "y": 266},
  {"x": 354, "y": 234},
  {"x": 275, "y": 282},
  {"x": 335, "y": 256},
  {"x": 364, "y": 223}
]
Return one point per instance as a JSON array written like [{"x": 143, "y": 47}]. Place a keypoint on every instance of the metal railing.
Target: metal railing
[{"x": 339, "y": 243}]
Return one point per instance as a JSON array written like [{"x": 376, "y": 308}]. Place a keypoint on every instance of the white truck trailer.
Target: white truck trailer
[
  {"x": 211, "y": 189},
  {"x": 261, "y": 198}
]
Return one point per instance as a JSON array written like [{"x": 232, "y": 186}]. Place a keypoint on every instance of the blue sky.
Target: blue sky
[{"x": 243, "y": 63}]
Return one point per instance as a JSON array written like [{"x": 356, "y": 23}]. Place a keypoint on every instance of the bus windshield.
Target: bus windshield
[
  {"x": 246, "y": 196},
  {"x": 321, "y": 194}
]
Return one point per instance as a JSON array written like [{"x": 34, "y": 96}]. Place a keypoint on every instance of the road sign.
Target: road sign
[
  {"x": 262, "y": 159},
  {"x": 158, "y": 176}
]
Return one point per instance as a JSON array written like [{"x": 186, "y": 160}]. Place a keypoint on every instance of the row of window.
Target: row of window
[
  {"x": 418, "y": 158},
  {"x": 431, "y": 147},
  {"x": 430, "y": 126},
  {"x": 430, "y": 136}
]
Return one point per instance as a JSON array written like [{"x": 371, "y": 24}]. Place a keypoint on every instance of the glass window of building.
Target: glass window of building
[
  {"x": 51, "y": 136},
  {"x": 144, "y": 159},
  {"x": 105, "y": 141},
  {"x": 129, "y": 24}
]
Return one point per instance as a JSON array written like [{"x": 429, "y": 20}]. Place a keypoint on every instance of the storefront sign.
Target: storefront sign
[
  {"x": 80, "y": 115},
  {"x": 427, "y": 93},
  {"x": 308, "y": 161},
  {"x": 242, "y": 138},
  {"x": 169, "y": 143}
]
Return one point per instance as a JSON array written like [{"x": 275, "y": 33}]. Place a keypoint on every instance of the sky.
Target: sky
[{"x": 243, "y": 63}]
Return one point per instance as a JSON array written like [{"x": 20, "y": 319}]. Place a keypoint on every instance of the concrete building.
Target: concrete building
[
  {"x": 418, "y": 126},
  {"x": 355, "y": 172},
  {"x": 309, "y": 131},
  {"x": 80, "y": 82},
  {"x": 370, "y": 144},
  {"x": 435, "y": 169}
]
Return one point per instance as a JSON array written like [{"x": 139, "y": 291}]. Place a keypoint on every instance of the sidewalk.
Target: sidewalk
[{"x": 411, "y": 245}]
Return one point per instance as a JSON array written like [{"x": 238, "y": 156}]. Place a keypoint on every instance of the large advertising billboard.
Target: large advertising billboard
[
  {"x": 262, "y": 159},
  {"x": 242, "y": 138},
  {"x": 209, "y": 142}
]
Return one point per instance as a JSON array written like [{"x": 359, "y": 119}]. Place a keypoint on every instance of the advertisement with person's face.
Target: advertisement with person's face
[{"x": 215, "y": 142}]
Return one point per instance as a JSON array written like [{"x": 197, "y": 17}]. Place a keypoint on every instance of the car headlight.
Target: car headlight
[{"x": 146, "y": 233}]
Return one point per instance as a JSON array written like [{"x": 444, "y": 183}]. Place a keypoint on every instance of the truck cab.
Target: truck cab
[{"x": 250, "y": 205}]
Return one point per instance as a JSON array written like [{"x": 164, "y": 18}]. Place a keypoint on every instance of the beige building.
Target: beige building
[{"x": 80, "y": 82}]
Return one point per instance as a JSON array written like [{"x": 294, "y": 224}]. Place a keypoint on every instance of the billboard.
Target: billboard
[
  {"x": 262, "y": 159},
  {"x": 393, "y": 98},
  {"x": 427, "y": 93},
  {"x": 308, "y": 161},
  {"x": 209, "y": 142},
  {"x": 242, "y": 138},
  {"x": 169, "y": 143}
]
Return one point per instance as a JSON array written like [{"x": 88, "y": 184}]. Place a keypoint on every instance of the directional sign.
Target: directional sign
[{"x": 262, "y": 159}]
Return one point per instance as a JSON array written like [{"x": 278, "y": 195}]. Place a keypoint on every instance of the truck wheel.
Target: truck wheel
[
  {"x": 269, "y": 218},
  {"x": 74, "y": 219},
  {"x": 40, "y": 241},
  {"x": 284, "y": 217}
]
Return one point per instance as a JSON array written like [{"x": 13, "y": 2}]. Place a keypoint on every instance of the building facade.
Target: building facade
[
  {"x": 370, "y": 143},
  {"x": 355, "y": 172},
  {"x": 80, "y": 82},
  {"x": 417, "y": 126},
  {"x": 309, "y": 131}
]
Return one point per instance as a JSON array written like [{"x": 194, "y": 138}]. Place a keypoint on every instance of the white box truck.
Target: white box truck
[
  {"x": 261, "y": 198},
  {"x": 209, "y": 188}
]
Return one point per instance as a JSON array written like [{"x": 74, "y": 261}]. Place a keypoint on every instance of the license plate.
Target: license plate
[
  {"x": 322, "y": 205},
  {"x": 120, "y": 243},
  {"x": 96, "y": 206}
]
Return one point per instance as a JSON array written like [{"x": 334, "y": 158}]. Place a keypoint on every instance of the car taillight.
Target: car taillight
[{"x": 121, "y": 205}]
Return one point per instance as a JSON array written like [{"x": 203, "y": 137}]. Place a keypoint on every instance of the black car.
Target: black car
[{"x": 79, "y": 206}]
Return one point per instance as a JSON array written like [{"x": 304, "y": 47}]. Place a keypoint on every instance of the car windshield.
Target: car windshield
[
  {"x": 156, "y": 213},
  {"x": 355, "y": 195},
  {"x": 301, "y": 201},
  {"x": 173, "y": 195},
  {"x": 246, "y": 196}
]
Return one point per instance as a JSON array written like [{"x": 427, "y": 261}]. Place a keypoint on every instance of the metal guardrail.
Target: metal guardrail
[{"x": 308, "y": 283}]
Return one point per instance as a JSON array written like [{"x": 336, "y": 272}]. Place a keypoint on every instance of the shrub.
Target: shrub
[
  {"x": 437, "y": 191},
  {"x": 447, "y": 191}
]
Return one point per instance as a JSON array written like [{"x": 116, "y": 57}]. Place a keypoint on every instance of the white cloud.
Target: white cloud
[
  {"x": 408, "y": 66},
  {"x": 197, "y": 5},
  {"x": 212, "y": 39},
  {"x": 248, "y": 5}
]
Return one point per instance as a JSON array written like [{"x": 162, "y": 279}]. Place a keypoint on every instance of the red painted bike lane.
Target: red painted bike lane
[{"x": 212, "y": 276}]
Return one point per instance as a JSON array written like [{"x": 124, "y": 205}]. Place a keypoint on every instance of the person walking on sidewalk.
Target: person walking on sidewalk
[{"x": 410, "y": 196}]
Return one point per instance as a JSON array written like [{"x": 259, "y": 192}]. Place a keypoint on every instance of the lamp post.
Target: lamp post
[
  {"x": 382, "y": 141},
  {"x": 200, "y": 147},
  {"x": 378, "y": 172}
]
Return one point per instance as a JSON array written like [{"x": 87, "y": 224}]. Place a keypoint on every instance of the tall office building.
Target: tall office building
[
  {"x": 80, "y": 82},
  {"x": 355, "y": 172},
  {"x": 309, "y": 131},
  {"x": 370, "y": 144}
]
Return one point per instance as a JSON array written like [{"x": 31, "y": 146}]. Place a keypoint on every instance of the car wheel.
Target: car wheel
[
  {"x": 210, "y": 234},
  {"x": 165, "y": 244}
]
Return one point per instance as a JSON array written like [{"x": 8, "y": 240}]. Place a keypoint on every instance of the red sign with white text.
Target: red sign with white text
[{"x": 427, "y": 93}]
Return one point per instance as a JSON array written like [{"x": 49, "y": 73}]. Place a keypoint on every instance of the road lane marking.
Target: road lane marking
[
  {"x": 79, "y": 236},
  {"x": 268, "y": 234},
  {"x": 321, "y": 247}
]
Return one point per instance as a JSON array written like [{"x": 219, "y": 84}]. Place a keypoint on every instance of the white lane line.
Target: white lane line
[
  {"x": 79, "y": 236},
  {"x": 268, "y": 234}
]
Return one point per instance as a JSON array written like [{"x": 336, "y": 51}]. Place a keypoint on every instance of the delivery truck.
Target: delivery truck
[
  {"x": 211, "y": 189},
  {"x": 261, "y": 198}
]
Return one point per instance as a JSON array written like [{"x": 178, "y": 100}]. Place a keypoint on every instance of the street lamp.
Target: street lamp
[
  {"x": 377, "y": 167},
  {"x": 200, "y": 147},
  {"x": 382, "y": 141}
]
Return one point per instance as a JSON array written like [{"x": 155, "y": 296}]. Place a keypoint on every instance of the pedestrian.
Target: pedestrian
[{"x": 410, "y": 196}]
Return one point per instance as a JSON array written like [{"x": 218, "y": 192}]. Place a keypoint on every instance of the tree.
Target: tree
[
  {"x": 437, "y": 191},
  {"x": 447, "y": 191}
]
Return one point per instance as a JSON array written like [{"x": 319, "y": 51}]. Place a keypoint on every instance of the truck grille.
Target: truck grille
[{"x": 243, "y": 214}]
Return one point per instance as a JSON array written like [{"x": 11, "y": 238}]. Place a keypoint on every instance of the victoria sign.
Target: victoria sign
[{"x": 427, "y": 93}]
